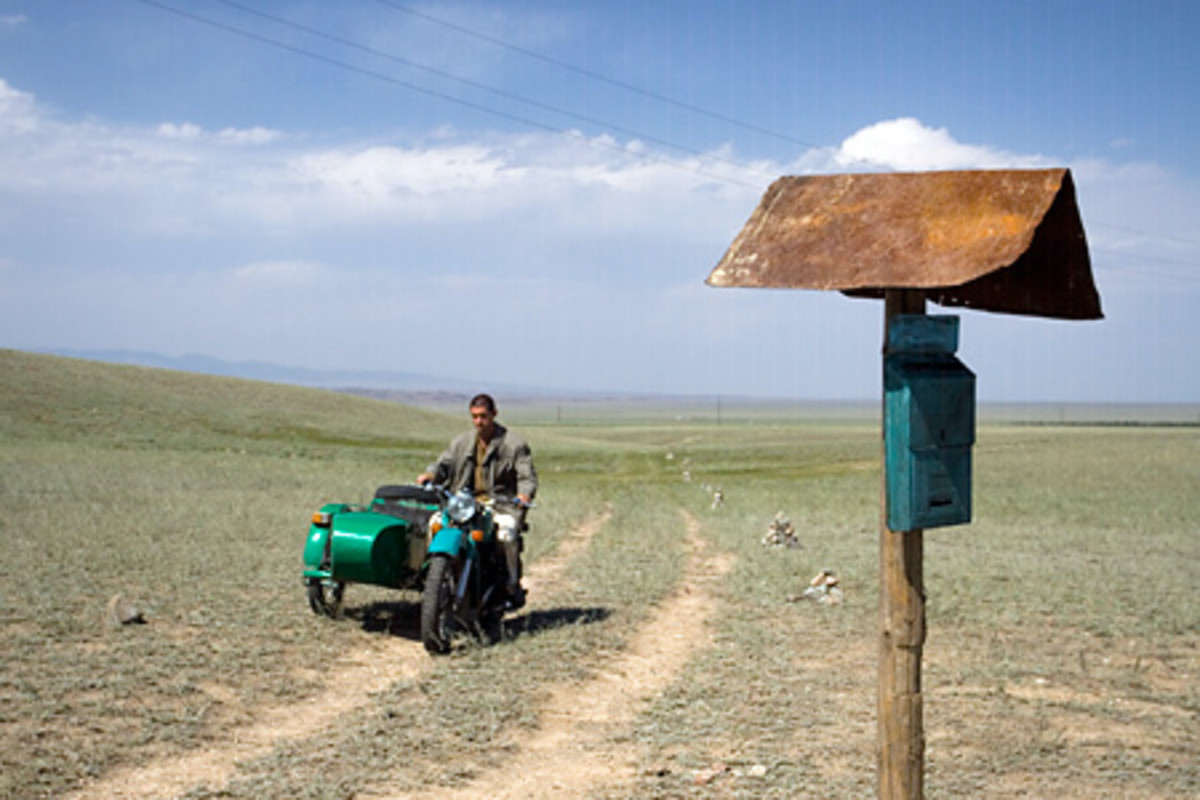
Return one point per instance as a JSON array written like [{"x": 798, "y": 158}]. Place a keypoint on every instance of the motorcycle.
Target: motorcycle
[
  {"x": 466, "y": 581},
  {"x": 422, "y": 538}
]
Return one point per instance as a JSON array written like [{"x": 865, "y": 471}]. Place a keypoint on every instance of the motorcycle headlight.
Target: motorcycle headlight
[{"x": 461, "y": 507}]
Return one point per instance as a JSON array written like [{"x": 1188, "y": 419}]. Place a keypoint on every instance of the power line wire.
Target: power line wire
[
  {"x": 1122, "y": 265},
  {"x": 521, "y": 120},
  {"x": 644, "y": 157},
  {"x": 610, "y": 126},
  {"x": 1159, "y": 236},
  {"x": 596, "y": 76}
]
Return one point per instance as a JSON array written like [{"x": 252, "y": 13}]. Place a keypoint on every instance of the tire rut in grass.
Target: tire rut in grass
[
  {"x": 582, "y": 742},
  {"x": 349, "y": 684},
  {"x": 548, "y": 575}
]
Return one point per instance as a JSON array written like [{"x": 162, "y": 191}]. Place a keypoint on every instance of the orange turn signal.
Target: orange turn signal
[
  {"x": 477, "y": 535},
  {"x": 321, "y": 518},
  {"x": 435, "y": 526}
]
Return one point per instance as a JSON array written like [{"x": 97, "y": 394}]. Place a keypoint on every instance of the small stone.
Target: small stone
[
  {"x": 706, "y": 776},
  {"x": 121, "y": 611}
]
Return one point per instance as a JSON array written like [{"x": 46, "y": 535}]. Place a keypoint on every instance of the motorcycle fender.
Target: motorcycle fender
[
  {"x": 448, "y": 542},
  {"x": 316, "y": 546},
  {"x": 315, "y": 549}
]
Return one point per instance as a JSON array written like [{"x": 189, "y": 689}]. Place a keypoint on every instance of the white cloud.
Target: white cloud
[
  {"x": 185, "y": 131},
  {"x": 189, "y": 132},
  {"x": 381, "y": 172},
  {"x": 906, "y": 144},
  {"x": 249, "y": 136},
  {"x": 279, "y": 273},
  {"x": 598, "y": 245},
  {"x": 18, "y": 111},
  {"x": 176, "y": 178},
  {"x": 9, "y": 21}
]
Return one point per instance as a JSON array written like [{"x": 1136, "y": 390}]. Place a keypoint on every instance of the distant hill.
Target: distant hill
[
  {"x": 57, "y": 398},
  {"x": 409, "y": 388},
  {"x": 450, "y": 394},
  {"x": 278, "y": 373}
]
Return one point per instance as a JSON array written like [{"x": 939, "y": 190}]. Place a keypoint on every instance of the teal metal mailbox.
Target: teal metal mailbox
[{"x": 929, "y": 424}]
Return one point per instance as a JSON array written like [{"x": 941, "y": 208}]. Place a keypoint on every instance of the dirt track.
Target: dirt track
[
  {"x": 368, "y": 669},
  {"x": 577, "y": 748},
  {"x": 580, "y": 743}
]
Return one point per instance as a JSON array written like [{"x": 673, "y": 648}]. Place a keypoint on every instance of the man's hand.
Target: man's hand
[{"x": 424, "y": 478}]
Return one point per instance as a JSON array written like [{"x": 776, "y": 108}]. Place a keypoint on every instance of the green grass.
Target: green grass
[{"x": 1061, "y": 656}]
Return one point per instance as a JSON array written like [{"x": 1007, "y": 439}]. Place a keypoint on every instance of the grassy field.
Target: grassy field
[{"x": 1063, "y": 657}]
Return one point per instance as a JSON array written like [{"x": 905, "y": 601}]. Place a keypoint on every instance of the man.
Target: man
[{"x": 492, "y": 461}]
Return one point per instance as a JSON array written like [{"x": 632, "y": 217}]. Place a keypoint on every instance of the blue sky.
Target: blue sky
[{"x": 533, "y": 192}]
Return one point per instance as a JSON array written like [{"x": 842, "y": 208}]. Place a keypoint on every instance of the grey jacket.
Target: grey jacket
[{"x": 507, "y": 467}]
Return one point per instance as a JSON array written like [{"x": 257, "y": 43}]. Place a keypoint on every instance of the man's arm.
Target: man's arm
[
  {"x": 442, "y": 470},
  {"x": 527, "y": 480}
]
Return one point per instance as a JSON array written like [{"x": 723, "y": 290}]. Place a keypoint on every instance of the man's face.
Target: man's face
[{"x": 483, "y": 420}]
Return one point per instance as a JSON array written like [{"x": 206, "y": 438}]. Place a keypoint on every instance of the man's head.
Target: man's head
[{"x": 483, "y": 415}]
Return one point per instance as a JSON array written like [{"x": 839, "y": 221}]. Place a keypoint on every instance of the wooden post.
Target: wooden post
[{"x": 901, "y": 630}]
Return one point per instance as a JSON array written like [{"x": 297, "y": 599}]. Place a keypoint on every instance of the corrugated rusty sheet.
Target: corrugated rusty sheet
[{"x": 997, "y": 240}]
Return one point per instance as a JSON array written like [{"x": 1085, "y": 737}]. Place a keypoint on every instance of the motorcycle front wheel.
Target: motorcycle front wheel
[{"x": 437, "y": 612}]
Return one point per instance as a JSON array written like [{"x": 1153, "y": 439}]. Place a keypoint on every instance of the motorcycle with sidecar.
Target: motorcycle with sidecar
[{"x": 422, "y": 538}]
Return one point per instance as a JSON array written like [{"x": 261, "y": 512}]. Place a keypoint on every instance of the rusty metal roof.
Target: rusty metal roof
[{"x": 1009, "y": 241}]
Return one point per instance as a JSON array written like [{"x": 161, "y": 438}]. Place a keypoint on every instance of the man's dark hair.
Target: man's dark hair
[{"x": 483, "y": 401}]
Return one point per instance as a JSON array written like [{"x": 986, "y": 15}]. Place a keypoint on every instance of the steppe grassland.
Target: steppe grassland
[{"x": 1062, "y": 652}]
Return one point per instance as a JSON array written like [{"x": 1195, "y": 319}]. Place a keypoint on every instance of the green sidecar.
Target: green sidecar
[{"x": 383, "y": 543}]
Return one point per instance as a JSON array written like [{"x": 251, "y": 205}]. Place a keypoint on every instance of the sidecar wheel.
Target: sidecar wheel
[
  {"x": 437, "y": 613},
  {"x": 325, "y": 599}
]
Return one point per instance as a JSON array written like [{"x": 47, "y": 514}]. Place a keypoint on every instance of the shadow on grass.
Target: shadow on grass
[
  {"x": 403, "y": 619},
  {"x": 394, "y": 617},
  {"x": 539, "y": 621}
]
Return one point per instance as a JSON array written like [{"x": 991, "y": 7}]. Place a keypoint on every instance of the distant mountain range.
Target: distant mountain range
[
  {"x": 405, "y": 387},
  {"x": 344, "y": 379},
  {"x": 434, "y": 391}
]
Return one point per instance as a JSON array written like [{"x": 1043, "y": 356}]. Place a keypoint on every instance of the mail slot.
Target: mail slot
[{"x": 929, "y": 424}]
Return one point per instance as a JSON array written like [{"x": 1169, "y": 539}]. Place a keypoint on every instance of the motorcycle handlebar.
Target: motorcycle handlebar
[{"x": 517, "y": 502}]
